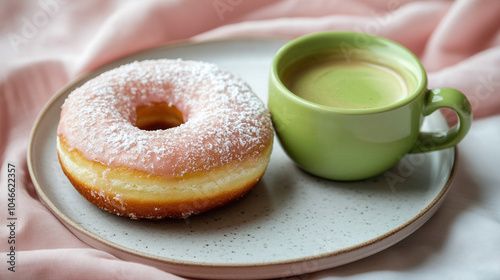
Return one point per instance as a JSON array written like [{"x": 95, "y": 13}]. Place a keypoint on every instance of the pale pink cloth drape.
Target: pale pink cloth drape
[{"x": 45, "y": 44}]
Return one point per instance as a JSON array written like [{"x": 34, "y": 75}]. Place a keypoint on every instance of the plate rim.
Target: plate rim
[{"x": 76, "y": 229}]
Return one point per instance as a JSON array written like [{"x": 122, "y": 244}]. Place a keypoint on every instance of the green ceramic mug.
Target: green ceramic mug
[{"x": 348, "y": 106}]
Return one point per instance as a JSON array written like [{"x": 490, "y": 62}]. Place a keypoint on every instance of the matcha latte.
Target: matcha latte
[{"x": 342, "y": 82}]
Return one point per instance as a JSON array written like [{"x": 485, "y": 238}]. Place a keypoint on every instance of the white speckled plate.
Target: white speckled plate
[{"x": 291, "y": 223}]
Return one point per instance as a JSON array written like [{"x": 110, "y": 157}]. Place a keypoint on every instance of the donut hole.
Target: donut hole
[{"x": 158, "y": 116}]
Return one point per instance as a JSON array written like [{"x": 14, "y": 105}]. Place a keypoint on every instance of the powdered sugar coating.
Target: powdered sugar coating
[{"x": 224, "y": 120}]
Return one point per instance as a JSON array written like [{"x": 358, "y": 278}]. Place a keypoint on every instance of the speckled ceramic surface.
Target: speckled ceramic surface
[{"x": 290, "y": 223}]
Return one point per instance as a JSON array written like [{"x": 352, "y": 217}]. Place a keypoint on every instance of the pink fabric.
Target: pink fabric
[{"x": 46, "y": 44}]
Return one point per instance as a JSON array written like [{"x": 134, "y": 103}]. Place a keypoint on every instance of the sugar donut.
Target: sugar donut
[{"x": 164, "y": 138}]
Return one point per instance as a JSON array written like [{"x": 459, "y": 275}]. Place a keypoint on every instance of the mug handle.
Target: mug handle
[{"x": 444, "y": 98}]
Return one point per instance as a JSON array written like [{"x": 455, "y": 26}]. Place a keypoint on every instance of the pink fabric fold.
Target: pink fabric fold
[{"x": 46, "y": 44}]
